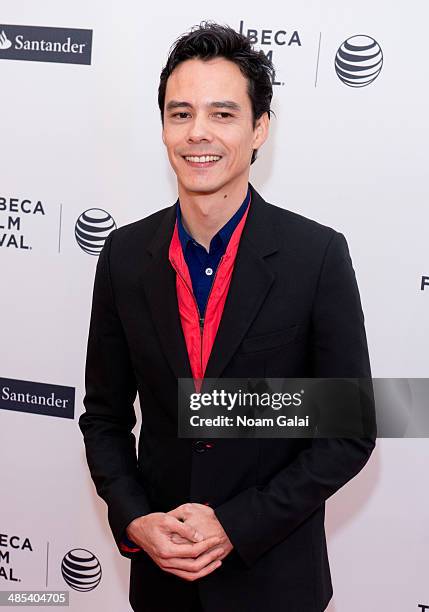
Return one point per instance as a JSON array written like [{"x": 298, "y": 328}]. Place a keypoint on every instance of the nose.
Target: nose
[{"x": 199, "y": 130}]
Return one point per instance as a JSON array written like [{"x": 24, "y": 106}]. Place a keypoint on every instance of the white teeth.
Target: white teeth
[{"x": 203, "y": 158}]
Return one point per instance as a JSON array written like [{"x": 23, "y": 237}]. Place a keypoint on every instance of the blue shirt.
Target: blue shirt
[{"x": 202, "y": 265}]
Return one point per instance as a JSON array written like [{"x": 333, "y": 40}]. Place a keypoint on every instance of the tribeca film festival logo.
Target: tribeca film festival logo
[
  {"x": 81, "y": 569},
  {"x": 12, "y": 544},
  {"x": 11, "y": 235},
  {"x": 358, "y": 61},
  {"x": 268, "y": 38},
  {"x": 92, "y": 228},
  {"x": 46, "y": 44}
]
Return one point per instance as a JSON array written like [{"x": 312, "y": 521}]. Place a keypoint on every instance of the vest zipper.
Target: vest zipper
[{"x": 200, "y": 318}]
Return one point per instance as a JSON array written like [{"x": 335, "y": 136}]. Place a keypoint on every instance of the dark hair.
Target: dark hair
[{"x": 210, "y": 39}]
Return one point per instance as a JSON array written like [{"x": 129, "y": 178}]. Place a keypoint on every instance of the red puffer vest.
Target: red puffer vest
[{"x": 200, "y": 333}]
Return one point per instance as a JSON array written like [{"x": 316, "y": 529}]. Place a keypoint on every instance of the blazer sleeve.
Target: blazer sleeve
[
  {"x": 109, "y": 415},
  {"x": 261, "y": 517}
]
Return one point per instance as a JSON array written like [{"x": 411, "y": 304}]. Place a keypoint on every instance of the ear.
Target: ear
[
  {"x": 261, "y": 131},
  {"x": 163, "y": 135}
]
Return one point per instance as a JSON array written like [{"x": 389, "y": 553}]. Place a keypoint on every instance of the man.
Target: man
[{"x": 221, "y": 284}]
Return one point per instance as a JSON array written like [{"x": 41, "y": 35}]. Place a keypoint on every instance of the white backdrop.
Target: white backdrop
[{"x": 76, "y": 137}]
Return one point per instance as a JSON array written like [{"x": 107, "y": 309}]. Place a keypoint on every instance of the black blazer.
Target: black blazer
[{"x": 293, "y": 310}]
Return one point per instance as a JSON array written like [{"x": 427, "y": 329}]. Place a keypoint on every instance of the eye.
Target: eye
[
  {"x": 223, "y": 115},
  {"x": 180, "y": 115}
]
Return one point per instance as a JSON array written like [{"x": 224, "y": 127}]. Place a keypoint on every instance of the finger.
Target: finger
[
  {"x": 177, "y": 539},
  {"x": 184, "y": 529},
  {"x": 178, "y": 512},
  {"x": 190, "y": 550},
  {"x": 193, "y": 565},
  {"x": 192, "y": 576}
]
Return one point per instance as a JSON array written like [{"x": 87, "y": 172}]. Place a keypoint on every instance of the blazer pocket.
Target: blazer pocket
[{"x": 269, "y": 341}]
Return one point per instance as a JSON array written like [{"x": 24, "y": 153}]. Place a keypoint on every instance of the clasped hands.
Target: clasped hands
[{"x": 187, "y": 541}]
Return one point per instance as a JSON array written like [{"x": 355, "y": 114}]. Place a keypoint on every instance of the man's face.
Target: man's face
[{"x": 207, "y": 112}]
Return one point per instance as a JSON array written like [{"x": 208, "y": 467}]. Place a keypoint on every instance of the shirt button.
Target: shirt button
[{"x": 209, "y": 271}]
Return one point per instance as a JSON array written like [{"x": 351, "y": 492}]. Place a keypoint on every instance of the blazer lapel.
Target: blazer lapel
[
  {"x": 159, "y": 282},
  {"x": 250, "y": 283}
]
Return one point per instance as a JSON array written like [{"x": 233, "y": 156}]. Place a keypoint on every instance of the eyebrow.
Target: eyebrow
[{"x": 218, "y": 104}]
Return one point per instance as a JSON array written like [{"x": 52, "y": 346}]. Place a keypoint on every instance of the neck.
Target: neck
[{"x": 204, "y": 214}]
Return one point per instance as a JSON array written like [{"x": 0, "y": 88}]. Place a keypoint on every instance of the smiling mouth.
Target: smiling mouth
[{"x": 202, "y": 161}]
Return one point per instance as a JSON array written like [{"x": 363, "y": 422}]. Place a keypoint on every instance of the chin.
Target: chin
[{"x": 201, "y": 186}]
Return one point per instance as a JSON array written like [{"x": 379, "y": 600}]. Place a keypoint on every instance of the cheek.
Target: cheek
[
  {"x": 241, "y": 154},
  {"x": 241, "y": 146},
  {"x": 172, "y": 139},
  {"x": 171, "y": 150}
]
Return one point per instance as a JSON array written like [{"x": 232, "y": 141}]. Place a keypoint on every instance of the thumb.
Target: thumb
[
  {"x": 177, "y": 539},
  {"x": 185, "y": 530},
  {"x": 177, "y": 513}
]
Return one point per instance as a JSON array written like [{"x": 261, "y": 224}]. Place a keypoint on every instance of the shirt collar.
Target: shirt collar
[{"x": 224, "y": 234}]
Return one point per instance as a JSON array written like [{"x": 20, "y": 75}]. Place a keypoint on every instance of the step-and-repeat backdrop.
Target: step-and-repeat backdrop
[{"x": 80, "y": 147}]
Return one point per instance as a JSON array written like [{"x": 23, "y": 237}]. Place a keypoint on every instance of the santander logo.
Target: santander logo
[{"x": 4, "y": 41}]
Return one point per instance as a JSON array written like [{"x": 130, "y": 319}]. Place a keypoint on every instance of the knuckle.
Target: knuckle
[
  {"x": 198, "y": 566},
  {"x": 188, "y": 567},
  {"x": 163, "y": 553}
]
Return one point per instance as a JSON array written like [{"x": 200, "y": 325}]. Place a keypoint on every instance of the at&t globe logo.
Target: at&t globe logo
[
  {"x": 92, "y": 229},
  {"x": 358, "y": 61},
  {"x": 81, "y": 569}
]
